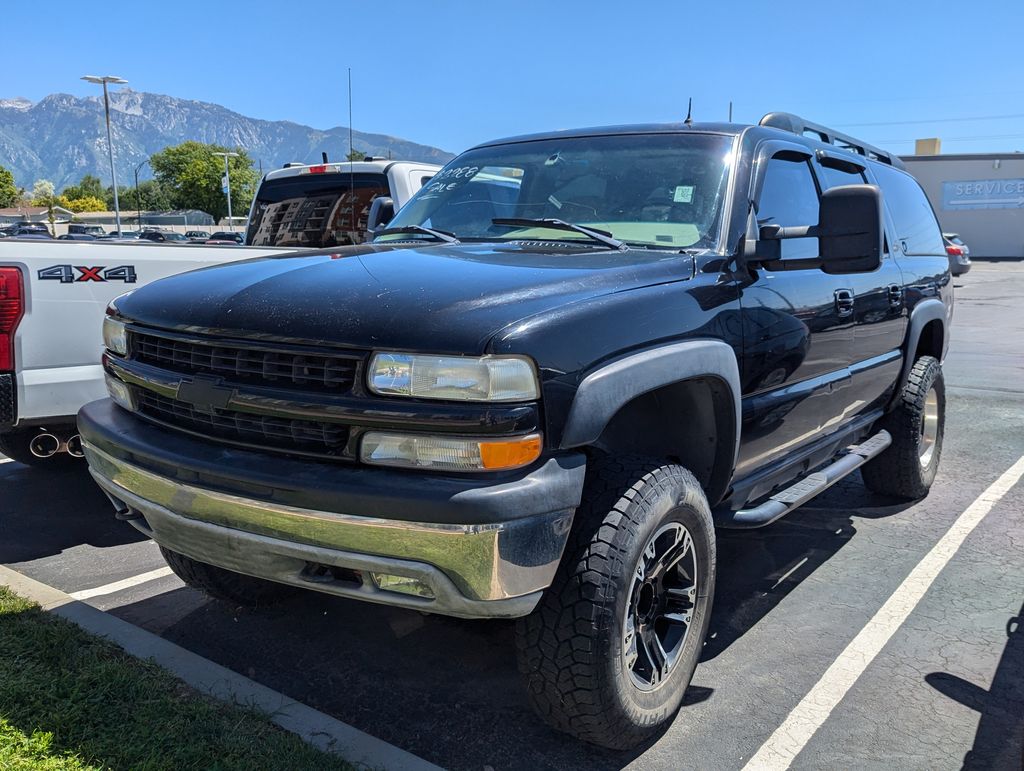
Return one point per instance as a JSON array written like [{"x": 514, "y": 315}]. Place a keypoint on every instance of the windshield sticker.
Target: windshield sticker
[
  {"x": 447, "y": 180},
  {"x": 554, "y": 202},
  {"x": 683, "y": 194}
]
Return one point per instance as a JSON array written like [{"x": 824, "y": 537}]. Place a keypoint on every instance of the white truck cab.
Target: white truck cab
[{"x": 328, "y": 204}]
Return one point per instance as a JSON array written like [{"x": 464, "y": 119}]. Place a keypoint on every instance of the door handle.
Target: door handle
[
  {"x": 895, "y": 295},
  {"x": 844, "y": 302}
]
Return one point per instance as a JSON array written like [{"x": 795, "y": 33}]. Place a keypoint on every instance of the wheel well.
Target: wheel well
[
  {"x": 690, "y": 423},
  {"x": 929, "y": 343}
]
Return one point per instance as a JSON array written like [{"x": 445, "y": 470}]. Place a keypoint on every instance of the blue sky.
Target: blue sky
[{"x": 455, "y": 73}]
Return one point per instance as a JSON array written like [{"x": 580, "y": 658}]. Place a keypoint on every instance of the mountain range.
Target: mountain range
[{"x": 62, "y": 137}]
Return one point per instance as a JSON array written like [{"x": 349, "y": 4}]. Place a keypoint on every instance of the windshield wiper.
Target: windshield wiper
[
  {"x": 600, "y": 236},
  {"x": 440, "y": 235}
]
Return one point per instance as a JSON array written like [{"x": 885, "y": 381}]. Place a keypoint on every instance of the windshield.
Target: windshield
[
  {"x": 650, "y": 190},
  {"x": 314, "y": 210}
]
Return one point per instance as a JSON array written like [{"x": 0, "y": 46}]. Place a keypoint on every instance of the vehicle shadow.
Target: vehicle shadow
[
  {"x": 999, "y": 740},
  {"x": 42, "y": 513},
  {"x": 447, "y": 689},
  {"x": 758, "y": 568}
]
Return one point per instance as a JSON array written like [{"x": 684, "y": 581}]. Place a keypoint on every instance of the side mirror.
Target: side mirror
[
  {"x": 850, "y": 229},
  {"x": 849, "y": 233},
  {"x": 382, "y": 211}
]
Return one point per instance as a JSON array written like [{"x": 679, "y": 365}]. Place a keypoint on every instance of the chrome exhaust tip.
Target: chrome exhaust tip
[
  {"x": 75, "y": 446},
  {"x": 44, "y": 445}
]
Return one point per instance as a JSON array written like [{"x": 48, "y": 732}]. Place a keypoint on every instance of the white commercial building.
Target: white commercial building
[{"x": 980, "y": 197}]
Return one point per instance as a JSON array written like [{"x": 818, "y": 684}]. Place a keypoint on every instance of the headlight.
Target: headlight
[
  {"x": 449, "y": 454},
  {"x": 120, "y": 392},
  {"x": 461, "y": 378},
  {"x": 115, "y": 336}
]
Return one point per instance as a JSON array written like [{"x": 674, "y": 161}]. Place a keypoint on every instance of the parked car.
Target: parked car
[
  {"x": 125, "y": 235},
  {"x": 959, "y": 254},
  {"x": 31, "y": 227},
  {"x": 30, "y": 230},
  {"x": 329, "y": 204},
  {"x": 561, "y": 364},
  {"x": 76, "y": 237},
  {"x": 225, "y": 237},
  {"x": 197, "y": 236},
  {"x": 83, "y": 229},
  {"x": 163, "y": 237}
]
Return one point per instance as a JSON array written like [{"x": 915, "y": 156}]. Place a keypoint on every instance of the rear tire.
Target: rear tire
[
  {"x": 224, "y": 584},
  {"x": 917, "y": 425},
  {"x": 623, "y": 589}
]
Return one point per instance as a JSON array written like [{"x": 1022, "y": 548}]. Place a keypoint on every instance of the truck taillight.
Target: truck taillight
[{"x": 12, "y": 308}]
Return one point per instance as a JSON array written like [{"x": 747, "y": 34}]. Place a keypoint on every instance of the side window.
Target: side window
[
  {"x": 833, "y": 177},
  {"x": 789, "y": 198},
  {"x": 912, "y": 215}
]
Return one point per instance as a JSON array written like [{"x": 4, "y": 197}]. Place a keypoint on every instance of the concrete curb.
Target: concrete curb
[{"x": 314, "y": 727}]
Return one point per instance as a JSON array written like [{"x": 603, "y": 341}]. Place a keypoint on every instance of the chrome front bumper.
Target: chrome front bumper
[{"x": 472, "y": 571}]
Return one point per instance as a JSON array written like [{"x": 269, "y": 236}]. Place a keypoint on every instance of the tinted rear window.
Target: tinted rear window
[
  {"x": 314, "y": 210},
  {"x": 916, "y": 226}
]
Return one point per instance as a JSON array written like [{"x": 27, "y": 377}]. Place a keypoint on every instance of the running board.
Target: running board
[{"x": 810, "y": 486}]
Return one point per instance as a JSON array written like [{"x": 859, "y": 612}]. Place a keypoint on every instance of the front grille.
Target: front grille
[
  {"x": 266, "y": 432},
  {"x": 334, "y": 373}
]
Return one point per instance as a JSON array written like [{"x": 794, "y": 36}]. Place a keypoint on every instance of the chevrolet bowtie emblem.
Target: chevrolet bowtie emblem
[{"x": 205, "y": 391}]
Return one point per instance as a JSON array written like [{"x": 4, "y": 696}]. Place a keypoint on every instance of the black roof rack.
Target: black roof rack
[{"x": 794, "y": 124}]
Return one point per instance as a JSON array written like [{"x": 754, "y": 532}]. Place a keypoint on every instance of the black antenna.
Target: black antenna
[
  {"x": 730, "y": 111},
  {"x": 324, "y": 156},
  {"x": 351, "y": 150},
  {"x": 689, "y": 113}
]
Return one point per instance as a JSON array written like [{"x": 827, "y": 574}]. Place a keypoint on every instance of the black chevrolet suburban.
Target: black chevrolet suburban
[{"x": 539, "y": 389}]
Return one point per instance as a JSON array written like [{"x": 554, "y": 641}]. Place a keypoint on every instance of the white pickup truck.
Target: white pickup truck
[
  {"x": 53, "y": 294},
  {"x": 329, "y": 204}
]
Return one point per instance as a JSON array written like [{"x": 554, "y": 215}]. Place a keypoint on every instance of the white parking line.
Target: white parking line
[
  {"x": 117, "y": 586},
  {"x": 813, "y": 710}
]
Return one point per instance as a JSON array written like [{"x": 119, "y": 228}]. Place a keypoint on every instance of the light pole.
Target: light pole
[
  {"x": 138, "y": 196},
  {"x": 227, "y": 185},
  {"x": 104, "y": 80}
]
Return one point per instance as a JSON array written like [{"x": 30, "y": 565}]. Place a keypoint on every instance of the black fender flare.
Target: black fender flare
[
  {"x": 922, "y": 314},
  {"x": 605, "y": 390}
]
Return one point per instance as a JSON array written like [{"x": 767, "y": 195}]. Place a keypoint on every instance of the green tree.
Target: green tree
[
  {"x": 9, "y": 193},
  {"x": 355, "y": 155},
  {"x": 125, "y": 194},
  {"x": 90, "y": 186},
  {"x": 191, "y": 175},
  {"x": 151, "y": 196}
]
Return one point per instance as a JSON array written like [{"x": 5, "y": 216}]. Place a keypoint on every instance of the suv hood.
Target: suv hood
[{"x": 444, "y": 299}]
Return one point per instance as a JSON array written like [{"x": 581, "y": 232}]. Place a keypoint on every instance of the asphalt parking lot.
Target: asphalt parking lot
[{"x": 946, "y": 690}]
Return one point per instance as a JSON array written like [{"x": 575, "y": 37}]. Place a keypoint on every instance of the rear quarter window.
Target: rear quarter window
[{"x": 916, "y": 227}]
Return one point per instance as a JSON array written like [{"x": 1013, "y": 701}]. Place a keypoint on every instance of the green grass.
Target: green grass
[{"x": 72, "y": 701}]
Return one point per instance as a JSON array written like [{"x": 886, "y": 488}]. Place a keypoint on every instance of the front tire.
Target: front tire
[
  {"x": 610, "y": 650},
  {"x": 224, "y": 584},
  {"x": 917, "y": 425}
]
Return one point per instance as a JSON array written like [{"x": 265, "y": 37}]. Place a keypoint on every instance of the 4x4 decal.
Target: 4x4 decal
[{"x": 66, "y": 273}]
